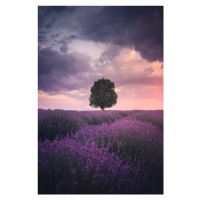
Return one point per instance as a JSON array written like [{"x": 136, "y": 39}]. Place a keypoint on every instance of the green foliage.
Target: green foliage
[{"x": 103, "y": 94}]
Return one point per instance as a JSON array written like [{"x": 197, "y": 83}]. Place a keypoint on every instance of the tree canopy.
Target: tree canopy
[{"x": 103, "y": 94}]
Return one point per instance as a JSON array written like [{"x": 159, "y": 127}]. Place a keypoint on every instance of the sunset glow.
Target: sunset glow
[{"x": 131, "y": 55}]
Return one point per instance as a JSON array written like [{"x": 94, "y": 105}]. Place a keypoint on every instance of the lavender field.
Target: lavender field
[{"x": 95, "y": 152}]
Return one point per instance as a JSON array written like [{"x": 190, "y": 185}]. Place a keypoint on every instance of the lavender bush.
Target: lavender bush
[
  {"x": 121, "y": 157},
  {"x": 62, "y": 123}
]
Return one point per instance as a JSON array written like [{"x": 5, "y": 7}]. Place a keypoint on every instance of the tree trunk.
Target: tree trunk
[{"x": 102, "y": 109}]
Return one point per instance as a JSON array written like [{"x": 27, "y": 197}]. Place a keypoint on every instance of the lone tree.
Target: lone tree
[{"x": 103, "y": 94}]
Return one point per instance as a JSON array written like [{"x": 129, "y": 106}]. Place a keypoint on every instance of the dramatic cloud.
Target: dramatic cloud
[
  {"x": 42, "y": 37},
  {"x": 128, "y": 68},
  {"x": 63, "y": 48},
  {"x": 58, "y": 72},
  {"x": 140, "y": 27},
  {"x": 78, "y": 45},
  {"x": 46, "y": 14},
  {"x": 108, "y": 55}
]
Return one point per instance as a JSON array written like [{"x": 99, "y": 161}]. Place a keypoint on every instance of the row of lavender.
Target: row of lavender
[
  {"x": 123, "y": 157},
  {"x": 62, "y": 123}
]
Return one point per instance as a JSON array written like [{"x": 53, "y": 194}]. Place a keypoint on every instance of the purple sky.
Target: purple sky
[{"x": 79, "y": 45}]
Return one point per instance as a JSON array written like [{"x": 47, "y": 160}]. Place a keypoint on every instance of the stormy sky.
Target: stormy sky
[{"x": 79, "y": 45}]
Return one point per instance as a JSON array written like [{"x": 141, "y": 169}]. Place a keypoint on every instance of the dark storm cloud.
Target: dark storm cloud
[
  {"x": 58, "y": 72},
  {"x": 45, "y": 13},
  {"x": 108, "y": 56},
  {"x": 138, "y": 27},
  {"x": 42, "y": 36},
  {"x": 63, "y": 48},
  {"x": 118, "y": 27},
  {"x": 51, "y": 22},
  {"x": 53, "y": 36},
  {"x": 66, "y": 40}
]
